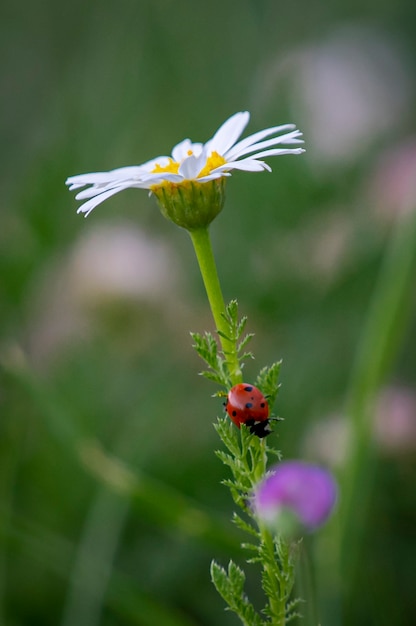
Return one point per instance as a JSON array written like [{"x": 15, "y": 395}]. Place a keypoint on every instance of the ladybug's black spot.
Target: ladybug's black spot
[
  {"x": 249, "y": 405},
  {"x": 262, "y": 404},
  {"x": 234, "y": 413},
  {"x": 248, "y": 388}
]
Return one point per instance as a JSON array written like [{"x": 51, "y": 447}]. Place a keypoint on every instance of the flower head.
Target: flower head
[
  {"x": 295, "y": 492},
  {"x": 193, "y": 169}
]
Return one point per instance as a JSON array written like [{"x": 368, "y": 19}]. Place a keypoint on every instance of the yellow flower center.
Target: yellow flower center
[
  {"x": 172, "y": 167},
  {"x": 213, "y": 161}
]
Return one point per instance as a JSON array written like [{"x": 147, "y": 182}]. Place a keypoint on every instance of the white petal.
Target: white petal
[
  {"x": 184, "y": 149},
  {"x": 212, "y": 176},
  {"x": 188, "y": 168},
  {"x": 197, "y": 149},
  {"x": 252, "y": 139},
  {"x": 181, "y": 150},
  {"x": 292, "y": 137},
  {"x": 265, "y": 144},
  {"x": 158, "y": 178},
  {"x": 103, "y": 179},
  {"x": 277, "y": 152},
  {"x": 90, "y": 179},
  {"x": 73, "y": 186},
  {"x": 229, "y": 132},
  {"x": 191, "y": 167},
  {"x": 87, "y": 207},
  {"x": 248, "y": 165},
  {"x": 292, "y": 141},
  {"x": 95, "y": 190}
]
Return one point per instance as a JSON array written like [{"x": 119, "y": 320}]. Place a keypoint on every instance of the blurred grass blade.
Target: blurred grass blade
[{"x": 382, "y": 337}]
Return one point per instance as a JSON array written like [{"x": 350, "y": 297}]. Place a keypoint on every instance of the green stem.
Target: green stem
[
  {"x": 271, "y": 567},
  {"x": 203, "y": 250},
  {"x": 277, "y": 599}
]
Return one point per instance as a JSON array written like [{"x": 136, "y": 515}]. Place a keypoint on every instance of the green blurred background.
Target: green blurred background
[{"x": 110, "y": 496}]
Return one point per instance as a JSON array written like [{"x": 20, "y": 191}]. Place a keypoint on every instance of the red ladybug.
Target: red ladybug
[{"x": 247, "y": 405}]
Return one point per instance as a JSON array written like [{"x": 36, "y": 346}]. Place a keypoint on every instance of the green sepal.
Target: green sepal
[{"x": 190, "y": 204}]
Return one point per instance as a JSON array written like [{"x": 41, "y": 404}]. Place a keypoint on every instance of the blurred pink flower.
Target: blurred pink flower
[
  {"x": 108, "y": 264},
  {"x": 349, "y": 90},
  {"x": 393, "y": 429},
  {"x": 303, "y": 490},
  {"x": 393, "y": 183},
  {"x": 395, "y": 420}
]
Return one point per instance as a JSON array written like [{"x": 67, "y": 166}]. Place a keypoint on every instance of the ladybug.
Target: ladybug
[{"x": 247, "y": 405}]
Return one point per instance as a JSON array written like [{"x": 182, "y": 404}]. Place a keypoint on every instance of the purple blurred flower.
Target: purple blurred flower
[{"x": 295, "y": 492}]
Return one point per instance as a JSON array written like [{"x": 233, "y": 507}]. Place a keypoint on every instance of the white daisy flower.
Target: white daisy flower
[{"x": 190, "y": 166}]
